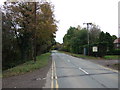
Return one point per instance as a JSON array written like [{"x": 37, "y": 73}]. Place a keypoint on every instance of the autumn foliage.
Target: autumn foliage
[{"x": 28, "y": 30}]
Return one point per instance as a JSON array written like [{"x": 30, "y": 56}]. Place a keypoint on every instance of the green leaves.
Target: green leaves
[
  {"x": 74, "y": 39},
  {"x": 77, "y": 39},
  {"x": 21, "y": 25}
]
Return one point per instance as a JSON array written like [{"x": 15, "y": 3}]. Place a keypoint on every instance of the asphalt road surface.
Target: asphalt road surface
[{"x": 71, "y": 72}]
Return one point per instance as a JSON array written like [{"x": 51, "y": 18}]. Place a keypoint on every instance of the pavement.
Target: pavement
[{"x": 71, "y": 72}]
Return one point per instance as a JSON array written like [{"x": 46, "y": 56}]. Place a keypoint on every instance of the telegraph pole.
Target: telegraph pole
[
  {"x": 34, "y": 56},
  {"x": 88, "y": 37}
]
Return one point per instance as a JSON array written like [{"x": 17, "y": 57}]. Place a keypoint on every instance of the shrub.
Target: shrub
[{"x": 114, "y": 52}]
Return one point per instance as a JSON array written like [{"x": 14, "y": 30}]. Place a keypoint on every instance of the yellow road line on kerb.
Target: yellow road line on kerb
[
  {"x": 57, "y": 86},
  {"x": 52, "y": 77}
]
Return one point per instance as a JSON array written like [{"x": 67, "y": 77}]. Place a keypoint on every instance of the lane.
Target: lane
[
  {"x": 73, "y": 72},
  {"x": 105, "y": 76}
]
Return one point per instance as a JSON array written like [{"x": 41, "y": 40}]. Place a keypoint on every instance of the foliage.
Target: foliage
[
  {"x": 57, "y": 46},
  {"x": 106, "y": 37},
  {"x": 77, "y": 39},
  {"x": 28, "y": 66},
  {"x": 94, "y": 33},
  {"x": 81, "y": 56},
  {"x": 114, "y": 52},
  {"x": 67, "y": 38},
  {"x": 27, "y": 31}
]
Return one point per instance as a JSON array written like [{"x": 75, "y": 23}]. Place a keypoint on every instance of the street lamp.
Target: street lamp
[{"x": 88, "y": 35}]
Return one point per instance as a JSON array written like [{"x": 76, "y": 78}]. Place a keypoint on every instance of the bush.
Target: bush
[
  {"x": 102, "y": 49},
  {"x": 114, "y": 52}
]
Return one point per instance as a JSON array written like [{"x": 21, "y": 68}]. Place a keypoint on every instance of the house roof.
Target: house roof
[{"x": 117, "y": 40}]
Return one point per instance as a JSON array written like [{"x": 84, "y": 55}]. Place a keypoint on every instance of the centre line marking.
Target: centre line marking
[{"x": 83, "y": 70}]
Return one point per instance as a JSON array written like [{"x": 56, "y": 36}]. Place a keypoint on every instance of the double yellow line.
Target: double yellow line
[{"x": 54, "y": 81}]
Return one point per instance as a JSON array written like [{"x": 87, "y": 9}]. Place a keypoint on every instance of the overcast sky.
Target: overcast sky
[{"x": 76, "y": 12}]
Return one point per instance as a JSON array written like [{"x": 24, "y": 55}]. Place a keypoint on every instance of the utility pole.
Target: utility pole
[
  {"x": 34, "y": 56},
  {"x": 88, "y": 36}
]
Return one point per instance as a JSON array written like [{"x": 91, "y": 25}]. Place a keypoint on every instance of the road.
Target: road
[{"x": 71, "y": 72}]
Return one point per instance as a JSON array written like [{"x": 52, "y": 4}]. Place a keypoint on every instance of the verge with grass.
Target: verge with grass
[
  {"x": 107, "y": 57},
  {"x": 29, "y": 66},
  {"x": 112, "y": 57},
  {"x": 81, "y": 56},
  {"x": 0, "y": 75}
]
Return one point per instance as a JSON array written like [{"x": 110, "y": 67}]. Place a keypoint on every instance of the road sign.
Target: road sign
[{"x": 95, "y": 49}]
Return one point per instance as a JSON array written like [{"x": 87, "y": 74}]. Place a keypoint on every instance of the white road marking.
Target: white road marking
[
  {"x": 38, "y": 79},
  {"x": 83, "y": 70},
  {"x": 47, "y": 74},
  {"x": 56, "y": 77},
  {"x": 68, "y": 60}
]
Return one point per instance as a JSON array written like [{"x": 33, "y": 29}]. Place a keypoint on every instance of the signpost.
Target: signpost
[{"x": 95, "y": 49}]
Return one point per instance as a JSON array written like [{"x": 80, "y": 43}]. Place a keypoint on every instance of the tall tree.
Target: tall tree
[
  {"x": 94, "y": 33},
  {"x": 106, "y": 37},
  {"x": 75, "y": 39},
  {"x": 72, "y": 31},
  {"x": 26, "y": 29}
]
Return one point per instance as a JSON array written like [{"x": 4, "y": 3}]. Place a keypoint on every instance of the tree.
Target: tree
[
  {"x": 46, "y": 27},
  {"x": 67, "y": 38},
  {"x": 114, "y": 37},
  {"x": 10, "y": 51},
  {"x": 75, "y": 39},
  {"x": 24, "y": 29},
  {"x": 79, "y": 41},
  {"x": 94, "y": 33},
  {"x": 106, "y": 37}
]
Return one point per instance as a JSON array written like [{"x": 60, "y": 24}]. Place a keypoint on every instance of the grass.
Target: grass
[
  {"x": 81, "y": 56},
  {"x": 29, "y": 66},
  {"x": 111, "y": 57},
  {"x": 107, "y": 57},
  {"x": 0, "y": 75}
]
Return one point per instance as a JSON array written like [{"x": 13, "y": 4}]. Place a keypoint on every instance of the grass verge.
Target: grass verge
[
  {"x": 81, "y": 56},
  {"x": 29, "y": 66},
  {"x": 0, "y": 75},
  {"x": 107, "y": 57},
  {"x": 112, "y": 57}
]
